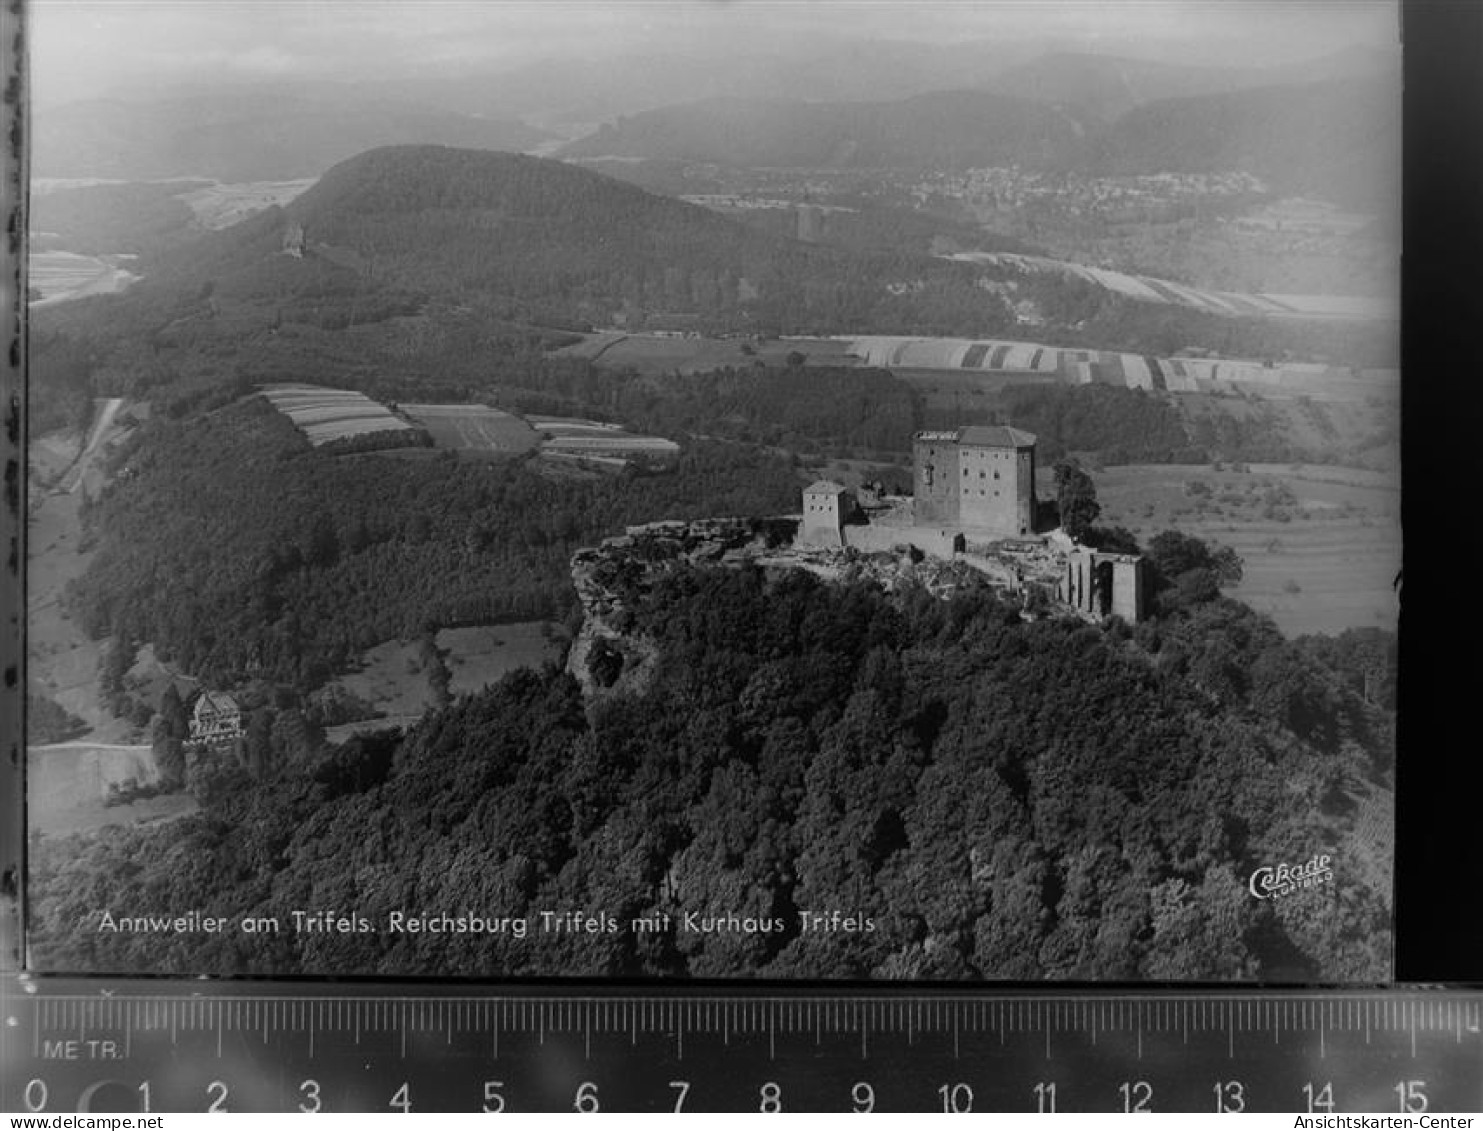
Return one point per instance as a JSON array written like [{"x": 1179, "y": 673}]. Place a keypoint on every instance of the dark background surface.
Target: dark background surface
[{"x": 1439, "y": 885}]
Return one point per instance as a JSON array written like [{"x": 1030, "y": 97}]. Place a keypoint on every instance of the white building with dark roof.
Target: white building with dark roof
[{"x": 216, "y": 717}]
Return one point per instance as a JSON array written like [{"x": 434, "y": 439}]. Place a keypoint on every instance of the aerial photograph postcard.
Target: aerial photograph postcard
[{"x": 896, "y": 491}]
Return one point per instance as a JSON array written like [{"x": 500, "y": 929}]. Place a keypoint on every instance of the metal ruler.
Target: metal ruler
[{"x": 100, "y": 1045}]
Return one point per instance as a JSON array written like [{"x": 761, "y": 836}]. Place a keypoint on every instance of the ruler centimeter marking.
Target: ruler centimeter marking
[{"x": 1360, "y": 1038}]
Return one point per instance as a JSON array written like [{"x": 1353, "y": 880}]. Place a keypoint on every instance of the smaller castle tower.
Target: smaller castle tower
[{"x": 826, "y": 506}]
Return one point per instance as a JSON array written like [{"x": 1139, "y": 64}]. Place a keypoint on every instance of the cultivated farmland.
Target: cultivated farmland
[
  {"x": 474, "y": 428},
  {"x": 62, "y": 275},
  {"x": 325, "y": 415},
  {"x": 1085, "y": 366},
  {"x": 569, "y": 438},
  {"x": 1347, "y": 307}
]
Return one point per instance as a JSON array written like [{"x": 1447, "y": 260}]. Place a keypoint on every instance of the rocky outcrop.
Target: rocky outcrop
[{"x": 608, "y": 657}]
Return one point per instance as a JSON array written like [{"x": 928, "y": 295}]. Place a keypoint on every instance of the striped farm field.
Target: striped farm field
[
  {"x": 574, "y": 438},
  {"x": 474, "y": 428},
  {"x": 324, "y": 415}
]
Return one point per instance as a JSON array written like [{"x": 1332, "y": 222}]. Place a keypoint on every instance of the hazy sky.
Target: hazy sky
[{"x": 86, "y": 48}]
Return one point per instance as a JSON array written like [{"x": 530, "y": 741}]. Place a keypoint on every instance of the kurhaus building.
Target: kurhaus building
[{"x": 979, "y": 479}]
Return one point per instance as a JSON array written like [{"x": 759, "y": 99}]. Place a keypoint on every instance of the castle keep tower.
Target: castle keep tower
[{"x": 980, "y": 479}]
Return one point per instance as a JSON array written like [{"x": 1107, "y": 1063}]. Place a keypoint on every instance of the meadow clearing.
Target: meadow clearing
[
  {"x": 391, "y": 677},
  {"x": 1321, "y": 545}
]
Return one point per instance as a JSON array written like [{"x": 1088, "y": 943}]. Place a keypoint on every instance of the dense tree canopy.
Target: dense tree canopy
[{"x": 994, "y": 798}]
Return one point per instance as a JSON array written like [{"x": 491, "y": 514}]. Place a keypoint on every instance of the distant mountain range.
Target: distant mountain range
[
  {"x": 951, "y": 129},
  {"x": 252, "y": 134},
  {"x": 1102, "y": 88},
  {"x": 566, "y": 90},
  {"x": 852, "y": 104},
  {"x": 1338, "y": 138}
]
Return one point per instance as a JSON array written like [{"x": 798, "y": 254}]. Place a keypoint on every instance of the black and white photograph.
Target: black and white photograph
[{"x": 679, "y": 489}]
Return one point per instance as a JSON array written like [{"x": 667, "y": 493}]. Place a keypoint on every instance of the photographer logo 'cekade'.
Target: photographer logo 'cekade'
[{"x": 1286, "y": 879}]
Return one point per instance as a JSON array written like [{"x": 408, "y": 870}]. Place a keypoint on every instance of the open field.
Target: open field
[
  {"x": 480, "y": 655},
  {"x": 654, "y": 353},
  {"x": 1288, "y": 246},
  {"x": 103, "y": 434},
  {"x": 222, "y": 205},
  {"x": 49, "y": 457},
  {"x": 474, "y": 428},
  {"x": 66, "y": 785},
  {"x": 392, "y": 680},
  {"x": 1321, "y": 545},
  {"x": 324, "y": 415},
  {"x": 62, "y": 661},
  {"x": 60, "y": 276}
]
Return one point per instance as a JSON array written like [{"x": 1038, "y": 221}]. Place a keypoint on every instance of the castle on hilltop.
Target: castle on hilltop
[{"x": 974, "y": 500}]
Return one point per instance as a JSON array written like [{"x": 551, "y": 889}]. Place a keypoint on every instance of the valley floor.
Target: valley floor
[{"x": 1325, "y": 561}]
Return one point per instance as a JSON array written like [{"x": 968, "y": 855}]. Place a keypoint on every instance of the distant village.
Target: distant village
[{"x": 1163, "y": 196}]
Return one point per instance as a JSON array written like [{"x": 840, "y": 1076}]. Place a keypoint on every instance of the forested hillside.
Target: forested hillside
[
  {"x": 988, "y": 798},
  {"x": 285, "y": 562},
  {"x": 462, "y": 238},
  {"x": 1101, "y": 88},
  {"x": 395, "y": 229},
  {"x": 112, "y": 218}
]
